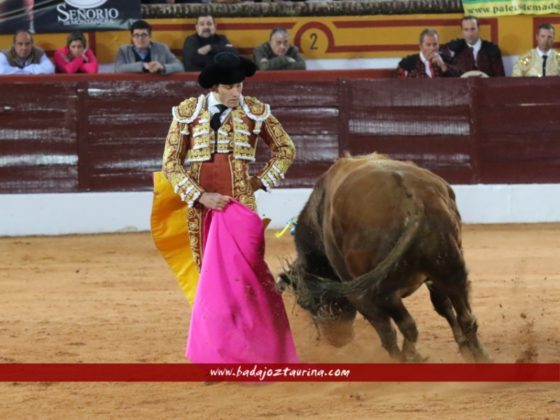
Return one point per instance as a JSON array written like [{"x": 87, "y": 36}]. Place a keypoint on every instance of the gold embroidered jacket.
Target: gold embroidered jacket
[
  {"x": 190, "y": 142},
  {"x": 530, "y": 64}
]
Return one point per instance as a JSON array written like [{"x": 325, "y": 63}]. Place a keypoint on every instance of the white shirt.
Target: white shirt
[
  {"x": 540, "y": 53},
  {"x": 426, "y": 65},
  {"x": 212, "y": 102},
  {"x": 45, "y": 66}
]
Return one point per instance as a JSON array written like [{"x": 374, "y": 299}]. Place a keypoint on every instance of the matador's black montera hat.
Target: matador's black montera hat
[{"x": 227, "y": 69}]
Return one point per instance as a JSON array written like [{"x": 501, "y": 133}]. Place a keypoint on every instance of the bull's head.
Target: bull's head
[
  {"x": 333, "y": 315},
  {"x": 297, "y": 280}
]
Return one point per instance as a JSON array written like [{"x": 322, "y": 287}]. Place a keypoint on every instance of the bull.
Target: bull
[{"x": 372, "y": 232}]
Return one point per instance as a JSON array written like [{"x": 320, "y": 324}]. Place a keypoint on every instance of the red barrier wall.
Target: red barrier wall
[{"x": 67, "y": 133}]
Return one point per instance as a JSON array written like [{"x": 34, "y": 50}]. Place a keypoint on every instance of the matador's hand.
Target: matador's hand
[
  {"x": 214, "y": 201},
  {"x": 256, "y": 183}
]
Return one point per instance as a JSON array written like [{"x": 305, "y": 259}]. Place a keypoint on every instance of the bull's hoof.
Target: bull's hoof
[
  {"x": 413, "y": 358},
  {"x": 474, "y": 354},
  {"x": 482, "y": 357},
  {"x": 409, "y": 353}
]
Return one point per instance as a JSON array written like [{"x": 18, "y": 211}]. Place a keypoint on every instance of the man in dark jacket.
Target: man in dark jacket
[
  {"x": 200, "y": 48},
  {"x": 278, "y": 54},
  {"x": 473, "y": 53},
  {"x": 429, "y": 62}
]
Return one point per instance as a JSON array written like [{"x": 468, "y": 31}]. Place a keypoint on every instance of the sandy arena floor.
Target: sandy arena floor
[{"x": 111, "y": 298}]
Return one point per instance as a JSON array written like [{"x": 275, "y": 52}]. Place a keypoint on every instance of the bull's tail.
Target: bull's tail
[{"x": 370, "y": 280}]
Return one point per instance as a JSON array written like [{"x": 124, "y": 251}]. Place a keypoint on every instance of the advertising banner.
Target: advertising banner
[
  {"x": 487, "y": 8},
  {"x": 44, "y": 16}
]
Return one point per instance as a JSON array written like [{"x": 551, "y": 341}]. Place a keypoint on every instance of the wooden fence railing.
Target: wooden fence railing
[{"x": 65, "y": 133}]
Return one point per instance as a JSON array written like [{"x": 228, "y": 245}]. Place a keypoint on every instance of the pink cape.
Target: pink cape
[{"x": 237, "y": 316}]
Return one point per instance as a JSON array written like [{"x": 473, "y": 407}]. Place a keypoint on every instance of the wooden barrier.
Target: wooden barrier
[{"x": 68, "y": 133}]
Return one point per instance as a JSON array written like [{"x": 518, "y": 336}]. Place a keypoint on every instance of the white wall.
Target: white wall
[
  {"x": 497, "y": 203},
  {"x": 349, "y": 64},
  {"x": 380, "y": 63},
  {"x": 57, "y": 214}
]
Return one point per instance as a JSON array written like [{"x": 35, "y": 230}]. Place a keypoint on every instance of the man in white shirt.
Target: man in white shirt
[
  {"x": 472, "y": 53},
  {"x": 541, "y": 61},
  {"x": 24, "y": 58}
]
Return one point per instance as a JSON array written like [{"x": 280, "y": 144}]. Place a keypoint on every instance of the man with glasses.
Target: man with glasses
[{"x": 145, "y": 56}]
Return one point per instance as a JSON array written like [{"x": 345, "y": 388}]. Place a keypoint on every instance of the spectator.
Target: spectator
[
  {"x": 24, "y": 57},
  {"x": 278, "y": 54},
  {"x": 472, "y": 53},
  {"x": 429, "y": 63},
  {"x": 75, "y": 57},
  {"x": 541, "y": 61},
  {"x": 200, "y": 48},
  {"x": 145, "y": 56}
]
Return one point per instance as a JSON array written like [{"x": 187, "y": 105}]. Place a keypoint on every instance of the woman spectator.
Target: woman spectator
[{"x": 75, "y": 57}]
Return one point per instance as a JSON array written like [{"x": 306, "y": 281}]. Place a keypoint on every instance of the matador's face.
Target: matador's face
[{"x": 230, "y": 95}]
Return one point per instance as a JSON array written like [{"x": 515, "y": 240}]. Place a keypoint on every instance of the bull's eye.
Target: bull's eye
[{"x": 283, "y": 282}]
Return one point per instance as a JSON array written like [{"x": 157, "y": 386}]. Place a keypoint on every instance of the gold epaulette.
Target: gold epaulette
[
  {"x": 255, "y": 110},
  {"x": 188, "y": 110},
  {"x": 525, "y": 60},
  {"x": 258, "y": 109}
]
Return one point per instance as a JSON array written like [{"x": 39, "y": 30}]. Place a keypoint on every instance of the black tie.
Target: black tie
[
  {"x": 544, "y": 57},
  {"x": 215, "y": 122},
  {"x": 472, "y": 55}
]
